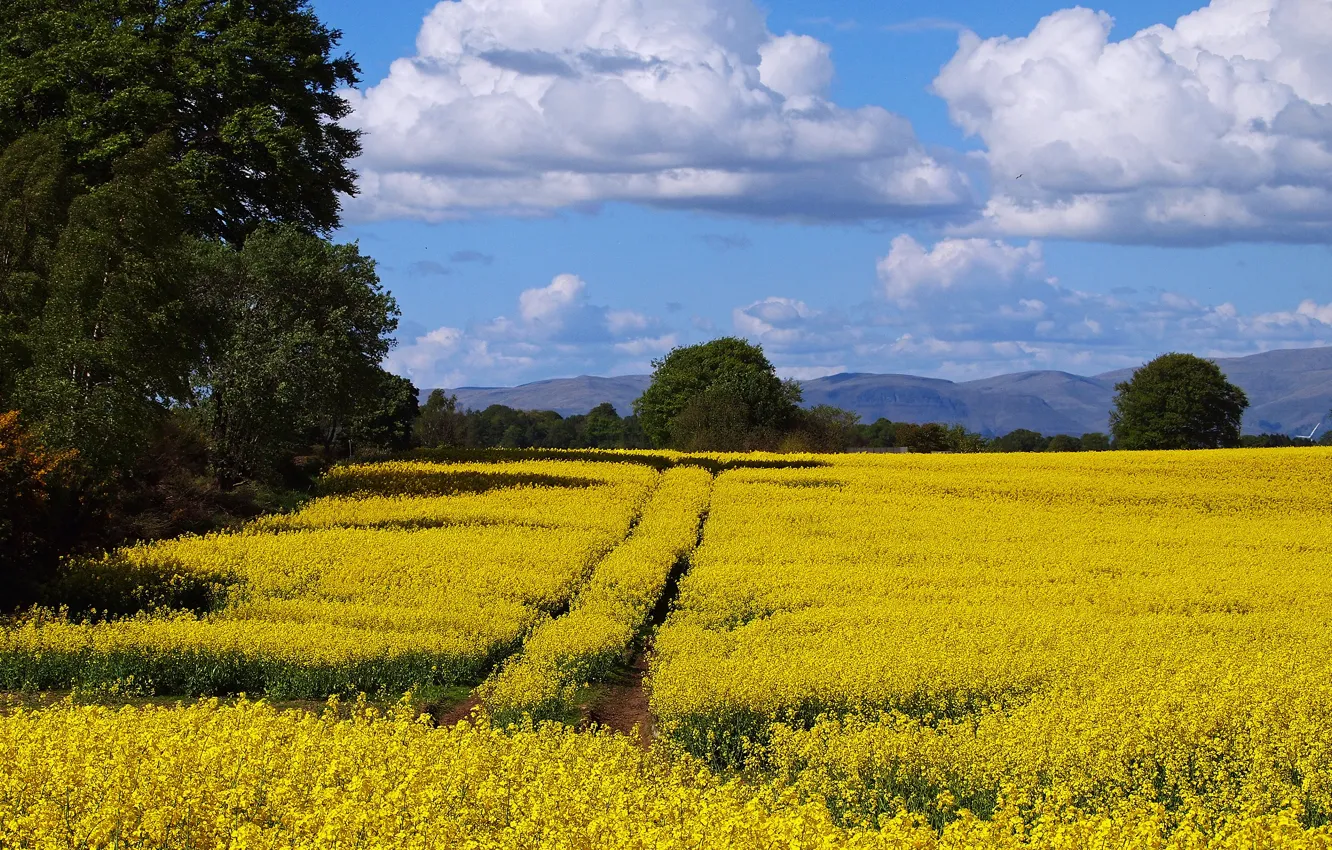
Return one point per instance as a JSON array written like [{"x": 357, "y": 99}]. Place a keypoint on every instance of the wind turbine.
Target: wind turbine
[{"x": 1314, "y": 431}]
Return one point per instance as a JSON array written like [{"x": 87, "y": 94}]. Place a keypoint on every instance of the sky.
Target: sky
[{"x": 956, "y": 189}]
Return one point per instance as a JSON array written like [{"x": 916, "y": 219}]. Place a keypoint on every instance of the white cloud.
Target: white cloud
[
  {"x": 558, "y": 330},
  {"x": 910, "y": 271},
  {"x": 1317, "y": 312},
  {"x": 524, "y": 106},
  {"x": 549, "y": 305},
  {"x": 964, "y": 308},
  {"x": 1216, "y": 129},
  {"x": 796, "y": 66}
]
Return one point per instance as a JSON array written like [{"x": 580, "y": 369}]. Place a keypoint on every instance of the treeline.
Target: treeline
[
  {"x": 724, "y": 395},
  {"x": 827, "y": 429},
  {"x": 180, "y": 344},
  {"x": 442, "y": 425}
]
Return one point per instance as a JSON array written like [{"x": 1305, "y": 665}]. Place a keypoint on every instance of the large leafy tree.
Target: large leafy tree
[
  {"x": 103, "y": 312},
  {"x": 247, "y": 91},
  {"x": 308, "y": 325},
  {"x": 694, "y": 380},
  {"x": 1177, "y": 401}
]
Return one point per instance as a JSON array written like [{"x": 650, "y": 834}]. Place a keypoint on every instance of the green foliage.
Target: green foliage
[
  {"x": 823, "y": 428},
  {"x": 246, "y": 90},
  {"x": 1019, "y": 440},
  {"x": 1274, "y": 441},
  {"x": 386, "y": 417},
  {"x": 929, "y": 437},
  {"x": 603, "y": 428},
  {"x": 1177, "y": 401},
  {"x": 442, "y": 425},
  {"x": 35, "y": 192},
  {"x": 110, "y": 324},
  {"x": 438, "y": 425},
  {"x": 141, "y": 143},
  {"x": 745, "y": 396},
  {"x": 880, "y": 434},
  {"x": 1095, "y": 441},
  {"x": 967, "y": 442},
  {"x": 718, "y": 420},
  {"x": 308, "y": 324},
  {"x": 1064, "y": 443}
]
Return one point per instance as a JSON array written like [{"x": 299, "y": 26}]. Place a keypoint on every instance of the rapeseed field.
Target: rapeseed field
[{"x": 997, "y": 651}]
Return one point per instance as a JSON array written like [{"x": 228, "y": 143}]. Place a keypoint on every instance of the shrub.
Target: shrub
[{"x": 34, "y": 501}]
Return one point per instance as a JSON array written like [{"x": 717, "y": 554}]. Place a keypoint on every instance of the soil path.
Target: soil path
[
  {"x": 621, "y": 703},
  {"x": 458, "y": 711}
]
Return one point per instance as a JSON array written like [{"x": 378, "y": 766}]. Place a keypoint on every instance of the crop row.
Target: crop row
[
  {"x": 366, "y": 590},
  {"x": 936, "y": 635},
  {"x": 610, "y": 611}
]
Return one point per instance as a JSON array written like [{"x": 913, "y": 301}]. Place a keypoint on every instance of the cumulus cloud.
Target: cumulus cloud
[
  {"x": 910, "y": 269},
  {"x": 796, "y": 66},
  {"x": 557, "y": 329},
  {"x": 1216, "y": 129},
  {"x": 965, "y": 308},
  {"x": 525, "y": 106}
]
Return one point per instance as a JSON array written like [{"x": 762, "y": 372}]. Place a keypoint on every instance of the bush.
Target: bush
[{"x": 35, "y": 506}]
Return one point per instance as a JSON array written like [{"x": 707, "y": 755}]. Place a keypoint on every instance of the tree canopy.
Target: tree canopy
[
  {"x": 716, "y": 394},
  {"x": 170, "y": 312},
  {"x": 307, "y": 326},
  {"x": 1177, "y": 401},
  {"x": 247, "y": 91}
]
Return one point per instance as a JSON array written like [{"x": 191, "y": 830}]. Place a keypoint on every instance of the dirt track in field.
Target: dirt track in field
[{"x": 621, "y": 704}]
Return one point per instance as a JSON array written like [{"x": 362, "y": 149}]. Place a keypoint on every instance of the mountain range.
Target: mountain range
[{"x": 1290, "y": 391}]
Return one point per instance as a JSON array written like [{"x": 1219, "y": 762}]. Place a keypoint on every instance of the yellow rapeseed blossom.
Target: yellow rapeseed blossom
[
  {"x": 1000, "y": 633},
  {"x": 250, "y": 777},
  {"x": 1117, "y": 650},
  {"x": 610, "y": 611},
  {"x": 366, "y": 590}
]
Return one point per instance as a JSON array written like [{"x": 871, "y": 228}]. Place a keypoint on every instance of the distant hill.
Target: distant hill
[
  {"x": 565, "y": 396},
  {"x": 1289, "y": 392}
]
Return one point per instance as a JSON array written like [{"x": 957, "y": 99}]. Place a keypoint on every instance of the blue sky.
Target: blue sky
[{"x": 564, "y": 187}]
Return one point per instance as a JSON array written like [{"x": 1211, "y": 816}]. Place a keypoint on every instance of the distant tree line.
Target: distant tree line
[
  {"x": 442, "y": 425},
  {"x": 724, "y": 395}
]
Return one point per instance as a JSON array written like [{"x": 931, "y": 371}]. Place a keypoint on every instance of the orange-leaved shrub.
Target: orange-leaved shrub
[{"x": 34, "y": 498}]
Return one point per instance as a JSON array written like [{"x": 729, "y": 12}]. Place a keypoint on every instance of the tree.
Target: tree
[
  {"x": 247, "y": 91},
  {"x": 1019, "y": 440},
  {"x": 1177, "y": 401},
  {"x": 1064, "y": 443},
  {"x": 308, "y": 325},
  {"x": 35, "y": 193},
  {"x": 881, "y": 434},
  {"x": 438, "y": 424},
  {"x": 715, "y": 420},
  {"x": 961, "y": 440},
  {"x": 112, "y": 321},
  {"x": 602, "y": 428},
  {"x": 823, "y": 428},
  {"x": 386, "y": 417},
  {"x": 929, "y": 437},
  {"x": 726, "y": 368},
  {"x": 1095, "y": 441}
]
